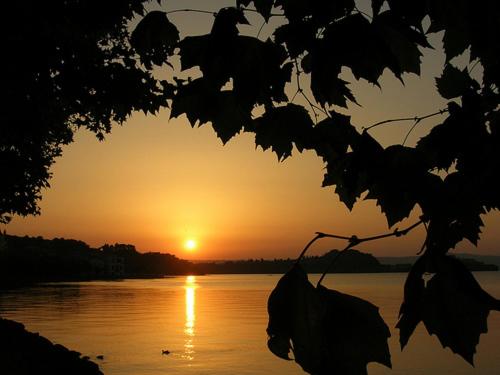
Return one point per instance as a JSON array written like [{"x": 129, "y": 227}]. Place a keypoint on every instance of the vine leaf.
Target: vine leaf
[
  {"x": 279, "y": 127},
  {"x": 226, "y": 21},
  {"x": 395, "y": 189},
  {"x": 333, "y": 135},
  {"x": 454, "y": 82},
  {"x": 256, "y": 70},
  {"x": 154, "y": 38},
  {"x": 402, "y": 42},
  {"x": 452, "y": 305},
  {"x": 297, "y": 36},
  {"x": 202, "y": 104},
  {"x": 327, "y": 331}
]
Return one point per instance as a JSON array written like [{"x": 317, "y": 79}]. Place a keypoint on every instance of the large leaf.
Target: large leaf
[
  {"x": 329, "y": 332},
  {"x": 279, "y": 127},
  {"x": 333, "y": 136},
  {"x": 396, "y": 189},
  {"x": 201, "y": 104},
  {"x": 454, "y": 82},
  {"x": 154, "y": 38},
  {"x": 402, "y": 42},
  {"x": 297, "y": 36},
  {"x": 226, "y": 21},
  {"x": 257, "y": 69},
  {"x": 452, "y": 305}
]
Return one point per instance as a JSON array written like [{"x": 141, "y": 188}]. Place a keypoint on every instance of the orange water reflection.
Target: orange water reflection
[{"x": 189, "y": 326}]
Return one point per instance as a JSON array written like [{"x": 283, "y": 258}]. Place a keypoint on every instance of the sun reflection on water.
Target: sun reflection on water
[{"x": 190, "y": 287}]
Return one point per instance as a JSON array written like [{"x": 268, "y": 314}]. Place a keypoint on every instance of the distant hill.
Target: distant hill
[
  {"x": 352, "y": 261},
  {"x": 486, "y": 259}
]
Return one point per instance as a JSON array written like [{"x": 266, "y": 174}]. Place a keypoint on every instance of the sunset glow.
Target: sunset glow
[{"x": 190, "y": 244}]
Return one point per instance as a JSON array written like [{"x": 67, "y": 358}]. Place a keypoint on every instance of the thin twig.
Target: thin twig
[
  {"x": 356, "y": 240},
  {"x": 332, "y": 262},
  {"x": 294, "y": 95},
  {"x": 473, "y": 66},
  {"x": 301, "y": 91},
  {"x": 353, "y": 241},
  {"x": 318, "y": 236},
  {"x": 260, "y": 29},
  {"x": 415, "y": 118},
  {"x": 192, "y": 10},
  {"x": 310, "y": 105},
  {"x": 215, "y": 12},
  {"x": 409, "y": 131}
]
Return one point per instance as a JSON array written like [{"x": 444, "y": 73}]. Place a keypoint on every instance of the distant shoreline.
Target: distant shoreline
[{"x": 27, "y": 260}]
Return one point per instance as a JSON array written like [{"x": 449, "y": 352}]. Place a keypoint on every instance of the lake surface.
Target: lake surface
[{"x": 216, "y": 324}]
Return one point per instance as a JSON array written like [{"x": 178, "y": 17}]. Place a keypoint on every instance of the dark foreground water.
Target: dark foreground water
[{"x": 216, "y": 324}]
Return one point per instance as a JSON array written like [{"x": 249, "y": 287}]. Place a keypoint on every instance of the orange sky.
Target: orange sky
[{"x": 155, "y": 183}]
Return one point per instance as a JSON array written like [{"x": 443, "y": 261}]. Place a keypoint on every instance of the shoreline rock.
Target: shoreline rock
[{"x": 27, "y": 353}]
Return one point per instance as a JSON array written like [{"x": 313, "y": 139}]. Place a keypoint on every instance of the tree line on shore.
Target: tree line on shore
[{"x": 32, "y": 259}]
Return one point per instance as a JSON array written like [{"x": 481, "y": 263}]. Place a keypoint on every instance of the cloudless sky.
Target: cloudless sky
[{"x": 156, "y": 183}]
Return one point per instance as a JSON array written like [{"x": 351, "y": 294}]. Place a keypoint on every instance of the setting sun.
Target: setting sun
[{"x": 190, "y": 244}]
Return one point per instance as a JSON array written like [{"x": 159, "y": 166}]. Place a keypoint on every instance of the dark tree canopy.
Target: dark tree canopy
[
  {"x": 66, "y": 64},
  {"x": 74, "y": 64}
]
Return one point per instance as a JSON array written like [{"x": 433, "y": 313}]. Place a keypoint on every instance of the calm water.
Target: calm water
[{"x": 216, "y": 324}]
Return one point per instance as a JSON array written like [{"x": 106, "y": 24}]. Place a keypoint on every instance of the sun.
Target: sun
[{"x": 190, "y": 244}]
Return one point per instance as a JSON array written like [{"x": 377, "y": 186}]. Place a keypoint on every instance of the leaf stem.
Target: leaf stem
[
  {"x": 353, "y": 241},
  {"x": 318, "y": 236}
]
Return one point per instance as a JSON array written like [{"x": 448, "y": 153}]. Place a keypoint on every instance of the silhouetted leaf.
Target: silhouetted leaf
[
  {"x": 410, "y": 312},
  {"x": 328, "y": 88},
  {"x": 454, "y": 17},
  {"x": 454, "y": 82},
  {"x": 333, "y": 135},
  {"x": 154, "y": 38},
  {"x": 397, "y": 190},
  {"x": 410, "y": 11},
  {"x": 349, "y": 178},
  {"x": 351, "y": 173},
  {"x": 226, "y": 21},
  {"x": 439, "y": 145},
  {"x": 451, "y": 305},
  {"x": 257, "y": 69},
  {"x": 402, "y": 42},
  {"x": 297, "y": 36},
  {"x": 194, "y": 51},
  {"x": 279, "y": 127},
  {"x": 201, "y": 104},
  {"x": 328, "y": 331},
  {"x": 362, "y": 52}
]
